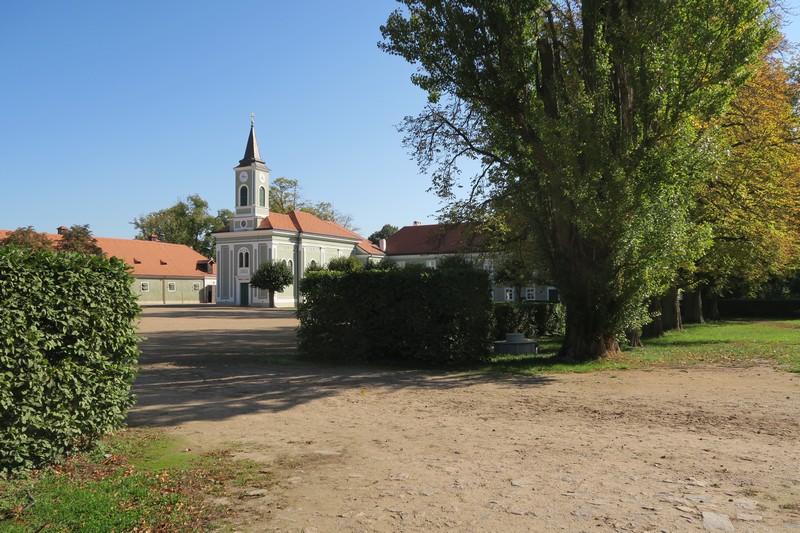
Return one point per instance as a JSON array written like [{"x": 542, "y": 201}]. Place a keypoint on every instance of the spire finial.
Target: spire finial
[{"x": 252, "y": 119}]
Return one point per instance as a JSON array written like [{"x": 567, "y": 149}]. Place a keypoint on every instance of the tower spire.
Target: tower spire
[{"x": 251, "y": 154}]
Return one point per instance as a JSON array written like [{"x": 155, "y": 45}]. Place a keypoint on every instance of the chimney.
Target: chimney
[
  {"x": 61, "y": 230},
  {"x": 382, "y": 245},
  {"x": 417, "y": 223},
  {"x": 154, "y": 237}
]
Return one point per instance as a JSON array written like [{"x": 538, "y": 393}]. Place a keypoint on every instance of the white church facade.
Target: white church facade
[{"x": 255, "y": 236}]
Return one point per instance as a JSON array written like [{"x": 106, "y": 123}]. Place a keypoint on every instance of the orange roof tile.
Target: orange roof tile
[
  {"x": 303, "y": 222},
  {"x": 370, "y": 248},
  {"x": 150, "y": 258}
]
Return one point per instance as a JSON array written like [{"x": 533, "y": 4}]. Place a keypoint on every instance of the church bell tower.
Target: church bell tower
[{"x": 251, "y": 177}]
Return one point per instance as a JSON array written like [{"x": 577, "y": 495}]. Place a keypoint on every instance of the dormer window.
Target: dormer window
[{"x": 243, "y": 196}]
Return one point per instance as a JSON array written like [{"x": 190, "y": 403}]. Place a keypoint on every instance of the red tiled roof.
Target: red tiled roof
[
  {"x": 150, "y": 258},
  {"x": 303, "y": 222},
  {"x": 431, "y": 239},
  {"x": 370, "y": 248}
]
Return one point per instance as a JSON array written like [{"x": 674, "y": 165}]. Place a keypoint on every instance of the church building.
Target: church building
[{"x": 255, "y": 236}]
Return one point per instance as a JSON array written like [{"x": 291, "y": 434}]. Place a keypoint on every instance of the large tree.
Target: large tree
[
  {"x": 187, "y": 222},
  {"x": 752, "y": 198},
  {"x": 585, "y": 120}
]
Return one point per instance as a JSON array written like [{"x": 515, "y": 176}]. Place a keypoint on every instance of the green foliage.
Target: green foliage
[
  {"x": 187, "y": 222},
  {"x": 68, "y": 352},
  {"x": 408, "y": 316},
  {"x": 383, "y": 264},
  {"x": 28, "y": 238},
  {"x": 272, "y": 276},
  {"x": 585, "y": 121},
  {"x": 455, "y": 262},
  {"x": 533, "y": 319},
  {"x": 385, "y": 232},
  {"x": 345, "y": 264},
  {"x": 79, "y": 239}
]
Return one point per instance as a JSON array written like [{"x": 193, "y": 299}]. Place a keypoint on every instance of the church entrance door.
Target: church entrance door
[{"x": 244, "y": 294}]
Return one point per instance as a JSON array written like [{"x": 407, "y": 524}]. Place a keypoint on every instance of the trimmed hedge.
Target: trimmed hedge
[
  {"x": 410, "y": 316},
  {"x": 68, "y": 352},
  {"x": 533, "y": 319},
  {"x": 730, "y": 308}
]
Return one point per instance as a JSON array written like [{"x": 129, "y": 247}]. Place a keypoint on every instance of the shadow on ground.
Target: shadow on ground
[{"x": 218, "y": 373}]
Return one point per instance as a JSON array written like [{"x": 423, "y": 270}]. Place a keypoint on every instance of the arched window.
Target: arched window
[
  {"x": 244, "y": 259},
  {"x": 243, "y": 196},
  {"x": 262, "y": 197}
]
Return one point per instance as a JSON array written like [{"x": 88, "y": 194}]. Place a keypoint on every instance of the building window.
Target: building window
[
  {"x": 291, "y": 267},
  {"x": 552, "y": 295},
  {"x": 509, "y": 292},
  {"x": 145, "y": 286},
  {"x": 430, "y": 263},
  {"x": 530, "y": 293},
  {"x": 196, "y": 286},
  {"x": 401, "y": 264},
  {"x": 171, "y": 287},
  {"x": 244, "y": 259},
  {"x": 243, "y": 196},
  {"x": 262, "y": 196}
]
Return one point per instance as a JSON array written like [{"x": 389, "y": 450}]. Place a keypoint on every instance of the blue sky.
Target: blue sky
[{"x": 111, "y": 110}]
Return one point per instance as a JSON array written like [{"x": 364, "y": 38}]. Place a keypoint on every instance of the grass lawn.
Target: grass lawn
[
  {"x": 137, "y": 480},
  {"x": 737, "y": 342}
]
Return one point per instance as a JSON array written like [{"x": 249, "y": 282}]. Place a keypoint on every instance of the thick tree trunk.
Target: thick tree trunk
[
  {"x": 710, "y": 308},
  {"x": 671, "y": 310},
  {"x": 634, "y": 337},
  {"x": 656, "y": 327},
  {"x": 693, "y": 307},
  {"x": 583, "y": 338}
]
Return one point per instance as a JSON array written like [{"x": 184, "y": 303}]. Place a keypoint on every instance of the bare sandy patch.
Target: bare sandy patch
[{"x": 698, "y": 449}]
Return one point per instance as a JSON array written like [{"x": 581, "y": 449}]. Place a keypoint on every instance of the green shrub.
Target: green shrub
[
  {"x": 412, "y": 316},
  {"x": 345, "y": 264},
  {"x": 533, "y": 319},
  {"x": 68, "y": 352}
]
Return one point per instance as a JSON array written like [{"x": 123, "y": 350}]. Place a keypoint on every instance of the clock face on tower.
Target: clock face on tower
[
  {"x": 261, "y": 177},
  {"x": 243, "y": 177}
]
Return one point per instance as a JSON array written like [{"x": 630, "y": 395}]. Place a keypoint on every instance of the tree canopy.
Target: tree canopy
[
  {"x": 751, "y": 200},
  {"x": 187, "y": 222},
  {"x": 284, "y": 197},
  {"x": 272, "y": 276},
  {"x": 586, "y": 120},
  {"x": 383, "y": 233},
  {"x": 27, "y": 237},
  {"x": 79, "y": 238}
]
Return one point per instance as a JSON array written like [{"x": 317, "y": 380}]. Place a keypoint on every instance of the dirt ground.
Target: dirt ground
[{"x": 699, "y": 449}]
